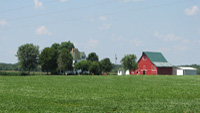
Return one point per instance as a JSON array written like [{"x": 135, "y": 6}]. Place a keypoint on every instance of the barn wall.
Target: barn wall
[
  {"x": 165, "y": 70},
  {"x": 145, "y": 67}
]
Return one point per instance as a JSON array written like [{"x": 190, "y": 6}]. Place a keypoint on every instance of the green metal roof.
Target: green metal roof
[
  {"x": 155, "y": 56},
  {"x": 157, "y": 59}
]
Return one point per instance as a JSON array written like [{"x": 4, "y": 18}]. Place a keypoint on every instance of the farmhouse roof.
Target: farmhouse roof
[
  {"x": 76, "y": 54},
  {"x": 157, "y": 59}
]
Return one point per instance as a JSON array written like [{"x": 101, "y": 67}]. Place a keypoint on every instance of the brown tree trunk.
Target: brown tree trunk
[{"x": 63, "y": 72}]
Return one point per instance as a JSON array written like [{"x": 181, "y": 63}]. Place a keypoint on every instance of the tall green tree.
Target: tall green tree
[
  {"x": 95, "y": 68},
  {"x": 83, "y": 65},
  {"x": 106, "y": 65},
  {"x": 65, "y": 60},
  {"x": 56, "y": 46},
  {"x": 28, "y": 55},
  {"x": 67, "y": 45},
  {"x": 93, "y": 57},
  {"x": 129, "y": 62},
  {"x": 48, "y": 60},
  {"x": 59, "y": 47}
]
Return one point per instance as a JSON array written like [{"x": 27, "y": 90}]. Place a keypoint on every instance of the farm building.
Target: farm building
[
  {"x": 122, "y": 72},
  {"x": 185, "y": 71},
  {"x": 77, "y": 55},
  {"x": 153, "y": 63}
]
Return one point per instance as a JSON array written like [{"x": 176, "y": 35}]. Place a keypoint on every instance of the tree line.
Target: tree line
[
  {"x": 57, "y": 59},
  {"x": 9, "y": 67}
]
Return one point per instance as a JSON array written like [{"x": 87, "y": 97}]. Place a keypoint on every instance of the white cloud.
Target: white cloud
[
  {"x": 169, "y": 37},
  {"x": 3, "y": 22},
  {"x": 92, "y": 44},
  {"x": 42, "y": 30},
  {"x": 105, "y": 26},
  {"x": 136, "y": 43},
  {"x": 185, "y": 41},
  {"x": 192, "y": 11},
  {"x": 37, "y": 4},
  {"x": 63, "y": 0},
  {"x": 103, "y": 18}
]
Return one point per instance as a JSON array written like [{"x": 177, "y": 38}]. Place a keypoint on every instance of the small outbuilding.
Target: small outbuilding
[
  {"x": 123, "y": 72},
  {"x": 185, "y": 71}
]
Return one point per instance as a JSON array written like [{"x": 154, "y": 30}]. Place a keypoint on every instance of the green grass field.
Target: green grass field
[{"x": 99, "y": 94}]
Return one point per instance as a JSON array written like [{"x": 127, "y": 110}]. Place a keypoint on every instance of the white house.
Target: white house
[
  {"x": 185, "y": 71},
  {"x": 77, "y": 57}
]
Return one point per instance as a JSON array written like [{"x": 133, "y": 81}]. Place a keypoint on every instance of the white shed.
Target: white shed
[
  {"x": 185, "y": 71},
  {"x": 127, "y": 72},
  {"x": 122, "y": 72}
]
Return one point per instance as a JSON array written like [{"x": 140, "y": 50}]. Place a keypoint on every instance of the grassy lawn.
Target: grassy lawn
[{"x": 99, "y": 94}]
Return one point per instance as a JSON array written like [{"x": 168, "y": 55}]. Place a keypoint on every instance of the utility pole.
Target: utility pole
[{"x": 115, "y": 59}]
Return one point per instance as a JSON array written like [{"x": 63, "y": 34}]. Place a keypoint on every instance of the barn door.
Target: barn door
[{"x": 144, "y": 72}]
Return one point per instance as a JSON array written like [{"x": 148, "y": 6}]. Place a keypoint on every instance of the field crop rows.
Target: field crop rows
[{"x": 99, "y": 94}]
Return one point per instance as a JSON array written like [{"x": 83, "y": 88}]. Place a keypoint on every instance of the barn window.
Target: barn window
[
  {"x": 144, "y": 67},
  {"x": 144, "y": 57}
]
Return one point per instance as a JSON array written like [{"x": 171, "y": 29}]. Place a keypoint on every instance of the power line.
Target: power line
[
  {"x": 150, "y": 7},
  {"x": 108, "y": 14},
  {"x": 63, "y": 11},
  {"x": 4, "y": 0},
  {"x": 19, "y": 8},
  {"x": 94, "y": 5}
]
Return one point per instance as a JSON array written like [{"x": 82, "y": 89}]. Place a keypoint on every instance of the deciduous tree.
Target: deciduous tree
[
  {"x": 129, "y": 62},
  {"x": 106, "y": 65},
  {"x": 67, "y": 45},
  {"x": 56, "y": 46},
  {"x": 65, "y": 60},
  {"x": 83, "y": 65},
  {"x": 28, "y": 55},
  {"x": 95, "y": 68},
  {"x": 93, "y": 57},
  {"x": 48, "y": 60}
]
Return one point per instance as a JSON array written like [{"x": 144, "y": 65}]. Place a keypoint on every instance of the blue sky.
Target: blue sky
[{"x": 107, "y": 27}]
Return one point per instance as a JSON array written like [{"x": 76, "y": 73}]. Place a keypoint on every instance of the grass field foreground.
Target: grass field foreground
[{"x": 99, "y": 94}]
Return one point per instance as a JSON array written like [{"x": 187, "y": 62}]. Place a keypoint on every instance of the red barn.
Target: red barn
[{"x": 153, "y": 63}]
